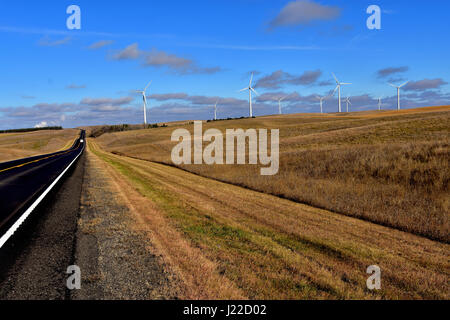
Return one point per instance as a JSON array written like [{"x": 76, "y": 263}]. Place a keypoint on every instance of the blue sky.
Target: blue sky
[{"x": 197, "y": 52}]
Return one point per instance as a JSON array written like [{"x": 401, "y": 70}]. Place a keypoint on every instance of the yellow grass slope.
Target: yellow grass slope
[
  {"x": 228, "y": 242},
  {"x": 388, "y": 167},
  {"x": 21, "y": 145}
]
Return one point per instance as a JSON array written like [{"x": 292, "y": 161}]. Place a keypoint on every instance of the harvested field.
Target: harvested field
[
  {"x": 388, "y": 167},
  {"x": 226, "y": 242},
  {"x": 21, "y": 145}
]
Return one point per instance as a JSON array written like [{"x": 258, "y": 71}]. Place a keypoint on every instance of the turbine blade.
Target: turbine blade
[
  {"x": 344, "y": 83},
  {"x": 404, "y": 84},
  {"x": 335, "y": 89},
  {"x": 254, "y": 91},
  {"x": 243, "y": 89},
  {"x": 251, "y": 80},
  {"x": 336, "y": 79},
  {"x": 148, "y": 85},
  {"x": 394, "y": 86}
]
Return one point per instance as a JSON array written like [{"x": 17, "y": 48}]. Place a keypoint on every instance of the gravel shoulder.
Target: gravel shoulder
[{"x": 116, "y": 260}]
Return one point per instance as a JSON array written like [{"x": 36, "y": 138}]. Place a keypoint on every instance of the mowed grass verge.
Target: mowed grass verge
[
  {"x": 272, "y": 248},
  {"x": 386, "y": 167}
]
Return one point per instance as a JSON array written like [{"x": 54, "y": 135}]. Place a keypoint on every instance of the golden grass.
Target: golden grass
[
  {"x": 199, "y": 276},
  {"x": 387, "y": 167},
  {"x": 228, "y": 242},
  {"x": 69, "y": 143},
  {"x": 21, "y": 145}
]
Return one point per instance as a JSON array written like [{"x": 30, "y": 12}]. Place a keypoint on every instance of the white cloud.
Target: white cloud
[
  {"x": 100, "y": 44},
  {"x": 424, "y": 84},
  {"x": 76, "y": 86},
  {"x": 47, "y": 42},
  {"x": 279, "y": 78},
  {"x": 167, "y": 107},
  {"x": 161, "y": 59},
  {"x": 156, "y": 58},
  {"x": 383, "y": 73},
  {"x": 131, "y": 52},
  {"x": 106, "y": 101},
  {"x": 42, "y": 124},
  {"x": 303, "y": 12}
]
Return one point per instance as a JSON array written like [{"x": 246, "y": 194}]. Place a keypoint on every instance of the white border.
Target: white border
[{"x": 25, "y": 215}]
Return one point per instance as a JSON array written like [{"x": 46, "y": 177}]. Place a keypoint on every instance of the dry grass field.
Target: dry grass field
[
  {"x": 387, "y": 167},
  {"x": 26, "y": 144},
  {"x": 227, "y": 242}
]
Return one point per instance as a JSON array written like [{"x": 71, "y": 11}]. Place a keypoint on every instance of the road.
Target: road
[
  {"x": 67, "y": 229},
  {"x": 24, "y": 184}
]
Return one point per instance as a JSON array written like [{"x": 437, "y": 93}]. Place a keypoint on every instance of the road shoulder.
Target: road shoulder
[{"x": 116, "y": 260}]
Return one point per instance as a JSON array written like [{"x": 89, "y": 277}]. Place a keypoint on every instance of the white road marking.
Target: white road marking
[{"x": 25, "y": 215}]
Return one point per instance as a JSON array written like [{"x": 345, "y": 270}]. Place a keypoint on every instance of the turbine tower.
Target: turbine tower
[
  {"x": 338, "y": 87},
  {"x": 279, "y": 104},
  {"x": 398, "y": 92},
  {"x": 145, "y": 101},
  {"x": 250, "y": 89},
  {"x": 348, "y": 102},
  {"x": 215, "y": 110},
  {"x": 379, "y": 104},
  {"x": 321, "y": 99}
]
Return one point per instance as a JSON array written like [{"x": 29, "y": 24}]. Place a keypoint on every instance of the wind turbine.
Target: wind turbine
[
  {"x": 279, "y": 104},
  {"x": 145, "y": 100},
  {"x": 379, "y": 104},
  {"x": 348, "y": 102},
  {"x": 215, "y": 110},
  {"x": 321, "y": 99},
  {"x": 398, "y": 92},
  {"x": 250, "y": 89},
  {"x": 338, "y": 87}
]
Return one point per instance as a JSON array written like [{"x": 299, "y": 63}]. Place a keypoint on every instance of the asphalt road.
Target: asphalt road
[
  {"x": 24, "y": 181},
  {"x": 34, "y": 261}
]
